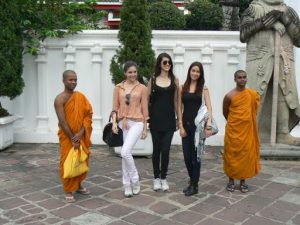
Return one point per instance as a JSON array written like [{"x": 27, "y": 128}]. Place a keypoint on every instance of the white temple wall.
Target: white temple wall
[{"x": 89, "y": 54}]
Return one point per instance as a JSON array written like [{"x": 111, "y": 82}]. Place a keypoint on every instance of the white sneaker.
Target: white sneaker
[
  {"x": 128, "y": 191},
  {"x": 156, "y": 184},
  {"x": 164, "y": 185},
  {"x": 136, "y": 187}
]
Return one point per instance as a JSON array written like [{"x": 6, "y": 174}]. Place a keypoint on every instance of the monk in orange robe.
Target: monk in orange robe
[
  {"x": 241, "y": 143},
  {"x": 74, "y": 113}
]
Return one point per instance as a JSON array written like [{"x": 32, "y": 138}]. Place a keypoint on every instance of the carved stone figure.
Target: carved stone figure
[
  {"x": 231, "y": 19},
  {"x": 259, "y": 23}
]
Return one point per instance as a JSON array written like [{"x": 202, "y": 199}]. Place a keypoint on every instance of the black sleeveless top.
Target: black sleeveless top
[
  {"x": 162, "y": 110},
  {"x": 191, "y": 104}
]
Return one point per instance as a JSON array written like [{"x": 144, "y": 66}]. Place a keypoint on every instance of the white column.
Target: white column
[
  {"x": 42, "y": 117},
  {"x": 179, "y": 60},
  {"x": 69, "y": 52},
  {"x": 207, "y": 53},
  {"x": 96, "y": 53},
  {"x": 233, "y": 65}
]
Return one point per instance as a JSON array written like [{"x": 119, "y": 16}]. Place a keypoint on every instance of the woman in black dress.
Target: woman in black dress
[
  {"x": 192, "y": 93},
  {"x": 162, "y": 88}
]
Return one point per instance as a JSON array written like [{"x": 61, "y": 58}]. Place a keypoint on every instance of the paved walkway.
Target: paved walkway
[{"x": 31, "y": 192}]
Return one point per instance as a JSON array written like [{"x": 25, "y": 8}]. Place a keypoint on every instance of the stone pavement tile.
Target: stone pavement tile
[
  {"x": 93, "y": 203},
  {"x": 90, "y": 219},
  {"x": 291, "y": 197},
  {"x": 211, "y": 221},
  {"x": 119, "y": 222},
  {"x": 279, "y": 187},
  {"x": 141, "y": 218},
  {"x": 255, "y": 220},
  {"x": 35, "y": 210},
  {"x": 286, "y": 206},
  {"x": 68, "y": 211},
  {"x": 208, "y": 174},
  {"x": 273, "y": 213},
  {"x": 205, "y": 208},
  {"x": 31, "y": 219},
  {"x": 270, "y": 193},
  {"x": 3, "y": 221},
  {"x": 182, "y": 199},
  {"x": 139, "y": 200},
  {"x": 217, "y": 200},
  {"x": 56, "y": 190},
  {"x": 263, "y": 176},
  {"x": 51, "y": 204},
  {"x": 98, "y": 179},
  {"x": 231, "y": 215},
  {"x": 117, "y": 210},
  {"x": 115, "y": 194},
  {"x": 14, "y": 214},
  {"x": 258, "y": 182},
  {"x": 296, "y": 190},
  {"x": 296, "y": 170},
  {"x": 163, "y": 208},
  {"x": 296, "y": 219},
  {"x": 210, "y": 189},
  {"x": 251, "y": 204},
  {"x": 12, "y": 203},
  {"x": 113, "y": 184},
  {"x": 35, "y": 223},
  {"x": 52, "y": 220},
  {"x": 97, "y": 190},
  {"x": 4, "y": 195},
  {"x": 166, "y": 222},
  {"x": 187, "y": 217},
  {"x": 37, "y": 196}
]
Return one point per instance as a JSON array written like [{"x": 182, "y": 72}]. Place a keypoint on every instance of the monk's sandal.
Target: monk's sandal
[{"x": 230, "y": 187}]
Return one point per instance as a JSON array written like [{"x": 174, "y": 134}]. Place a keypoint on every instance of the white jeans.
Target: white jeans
[{"x": 130, "y": 137}]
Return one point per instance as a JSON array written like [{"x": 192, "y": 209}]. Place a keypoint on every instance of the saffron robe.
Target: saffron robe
[
  {"x": 78, "y": 113},
  {"x": 241, "y": 144}
]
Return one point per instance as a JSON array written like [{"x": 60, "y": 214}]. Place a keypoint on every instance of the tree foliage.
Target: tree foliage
[
  {"x": 166, "y": 16},
  {"x": 11, "y": 50},
  {"x": 55, "y": 18},
  {"x": 135, "y": 38},
  {"x": 204, "y": 15}
]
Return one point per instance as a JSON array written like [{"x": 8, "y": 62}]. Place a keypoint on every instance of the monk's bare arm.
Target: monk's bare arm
[
  {"x": 60, "y": 112},
  {"x": 226, "y": 104}
]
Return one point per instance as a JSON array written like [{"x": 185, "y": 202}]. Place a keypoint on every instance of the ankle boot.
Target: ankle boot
[
  {"x": 188, "y": 187},
  {"x": 192, "y": 190}
]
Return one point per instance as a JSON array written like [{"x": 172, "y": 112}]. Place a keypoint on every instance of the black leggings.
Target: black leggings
[{"x": 161, "y": 146}]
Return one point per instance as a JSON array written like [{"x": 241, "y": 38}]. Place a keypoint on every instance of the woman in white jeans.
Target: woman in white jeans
[{"x": 130, "y": 103}]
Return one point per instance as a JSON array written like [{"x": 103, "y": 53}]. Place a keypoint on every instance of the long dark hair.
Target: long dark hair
[
  {"x": 158, "y": 66},
  {"x": 200, "y": 81}
]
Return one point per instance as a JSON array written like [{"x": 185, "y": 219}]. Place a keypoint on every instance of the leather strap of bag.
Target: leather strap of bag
[{"x": 114, "y": 111}]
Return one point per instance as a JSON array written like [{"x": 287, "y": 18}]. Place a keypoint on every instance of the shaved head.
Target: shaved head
[{"x": 67, "y": 72}]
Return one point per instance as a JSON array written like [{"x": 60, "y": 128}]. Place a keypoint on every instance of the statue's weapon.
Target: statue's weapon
[{"x": 275, "y": 88}]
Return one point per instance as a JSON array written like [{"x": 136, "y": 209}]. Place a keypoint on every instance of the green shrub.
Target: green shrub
[
  {"x": 244, "y": 5},
  {"x": 204, "y": 15},
  {"x": 11, "y": 67},
  {"x": 135, "y": 38},
  {"x": 166, "y": 16}
]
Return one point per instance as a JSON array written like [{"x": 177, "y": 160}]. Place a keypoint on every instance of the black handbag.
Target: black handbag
[{"x": 110, "y": 138}]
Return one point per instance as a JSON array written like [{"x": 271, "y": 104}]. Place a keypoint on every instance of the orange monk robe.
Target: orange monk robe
[
  {"x": 241, "y": 144},
  {"x": 78, "y": 113}
]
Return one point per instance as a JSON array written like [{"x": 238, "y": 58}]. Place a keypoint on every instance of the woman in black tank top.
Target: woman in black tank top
[
  {"x": 192, "y": 94},
  {"x": 162, "y": 89}
]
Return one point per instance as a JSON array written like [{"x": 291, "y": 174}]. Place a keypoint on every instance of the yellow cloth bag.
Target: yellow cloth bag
[{"x": 75, "y": 163}]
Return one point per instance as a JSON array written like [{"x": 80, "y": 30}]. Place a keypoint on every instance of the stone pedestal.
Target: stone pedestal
[
  {"x": 6, "y": 131},
  {"x": 280, "y": 151}
]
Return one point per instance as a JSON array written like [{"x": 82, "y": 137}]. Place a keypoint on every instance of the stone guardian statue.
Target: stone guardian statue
[{"x": 258, "y": 26}]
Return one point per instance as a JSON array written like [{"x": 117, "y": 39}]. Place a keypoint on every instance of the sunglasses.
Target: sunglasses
[
  {"x": 127, "y": 99},
  {"x": 166, "y": 62}
]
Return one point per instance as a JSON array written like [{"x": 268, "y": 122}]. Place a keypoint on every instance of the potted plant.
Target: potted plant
[
  {"x": 24, "y": 25},
  {"x": 135, "y": 38}
]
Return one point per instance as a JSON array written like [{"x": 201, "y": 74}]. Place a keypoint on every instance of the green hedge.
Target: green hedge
[
  {"x": 166, "y": 16},
  {"x": 204, "y": 15}
]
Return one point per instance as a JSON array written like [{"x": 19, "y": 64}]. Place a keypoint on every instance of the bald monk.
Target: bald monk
[
  {"x": 241, "y": 143},
  {"x": 74, "y": 114}
]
